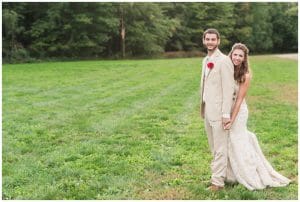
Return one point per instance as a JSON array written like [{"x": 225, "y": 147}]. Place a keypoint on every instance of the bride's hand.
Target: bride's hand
[{"x": 228, "y": 125}]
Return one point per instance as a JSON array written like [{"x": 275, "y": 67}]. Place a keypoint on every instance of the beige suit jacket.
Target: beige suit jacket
[{"x": 218, "y": 86}]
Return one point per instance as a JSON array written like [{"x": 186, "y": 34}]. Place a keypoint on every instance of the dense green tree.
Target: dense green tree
[
  {"x": 242, "y": 28},
  {"x": 261, "y": 36},
  {"x": 99, "y": 29},
  {"x": 194, "y": 18},
  {"x": 74, "y": 30},
  {"x": 285, "y": 26},
  {"x": 147, "y": 28},
  {"x": 12, "y": 48},
  {"x": 10, "y": 22},
  {"x": 183, "y": 34}
]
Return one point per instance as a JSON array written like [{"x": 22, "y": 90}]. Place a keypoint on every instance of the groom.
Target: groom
[{"x": 217, "y": 89}]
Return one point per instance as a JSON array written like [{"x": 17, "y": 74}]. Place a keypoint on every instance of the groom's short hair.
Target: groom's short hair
[{"x": 211, "y": 31}]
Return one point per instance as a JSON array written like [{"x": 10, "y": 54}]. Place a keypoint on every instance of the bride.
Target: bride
[{"x": 247, "y": 164}]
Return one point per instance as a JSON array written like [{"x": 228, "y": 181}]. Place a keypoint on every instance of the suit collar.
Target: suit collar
[{"x": 216, "y": 54}]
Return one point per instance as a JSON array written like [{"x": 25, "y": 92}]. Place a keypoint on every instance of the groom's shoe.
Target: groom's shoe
[{"x": 213, "y": 187}]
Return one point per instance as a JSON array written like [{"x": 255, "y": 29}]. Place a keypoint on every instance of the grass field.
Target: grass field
[{"x": 131, "y": 129}]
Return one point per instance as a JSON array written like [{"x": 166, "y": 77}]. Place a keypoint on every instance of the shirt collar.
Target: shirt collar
[{"x": 216, "y": 53}]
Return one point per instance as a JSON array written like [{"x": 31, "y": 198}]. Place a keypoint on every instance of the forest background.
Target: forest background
[{"x": 35, "y": 31}]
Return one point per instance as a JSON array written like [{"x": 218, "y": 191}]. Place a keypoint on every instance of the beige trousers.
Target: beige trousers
[{"x": 217, "y": 140}]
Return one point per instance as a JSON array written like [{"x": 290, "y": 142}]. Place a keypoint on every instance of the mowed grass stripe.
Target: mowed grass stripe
[
  {"x": 63, "y": 107},
  {"x": 82, "y": 102},
  {"x": 40, "y": 130},
  {"x": 115, "y": 129},
  {"x": 142, "y": 105},
  {"x": 98, "y": 154},
  {"x": 158, "y": 147},
  {"x": 90, "y": 89},
  {"x": 75, "y": 91},
  {"x": 75, "y": 108}
]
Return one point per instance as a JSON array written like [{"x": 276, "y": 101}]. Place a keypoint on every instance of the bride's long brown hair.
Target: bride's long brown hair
[{"x": 239, "y": 72}]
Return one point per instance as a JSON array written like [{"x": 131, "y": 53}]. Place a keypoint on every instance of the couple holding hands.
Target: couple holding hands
[{"x": 237, "y": 156}]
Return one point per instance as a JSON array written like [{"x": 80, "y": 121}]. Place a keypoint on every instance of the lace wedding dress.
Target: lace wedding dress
[{"x": 247, "y": 164}]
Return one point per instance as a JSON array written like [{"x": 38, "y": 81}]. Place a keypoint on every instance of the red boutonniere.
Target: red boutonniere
[{"x": 210, "y": 65}]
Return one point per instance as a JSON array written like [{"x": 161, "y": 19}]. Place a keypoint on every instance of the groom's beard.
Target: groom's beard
[{"x": 212, "y": 49}]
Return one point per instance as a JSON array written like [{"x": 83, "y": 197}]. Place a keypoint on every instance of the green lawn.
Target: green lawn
[{"x": 131, "y": 129}]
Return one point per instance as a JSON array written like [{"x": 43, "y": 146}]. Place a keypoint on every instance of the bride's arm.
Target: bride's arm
[{"x": 241, "y": 95}]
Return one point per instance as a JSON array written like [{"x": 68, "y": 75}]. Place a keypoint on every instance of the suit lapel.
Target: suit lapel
[
  {"x": 208, "y": 73},
  {"x": 213, "y": 59}
]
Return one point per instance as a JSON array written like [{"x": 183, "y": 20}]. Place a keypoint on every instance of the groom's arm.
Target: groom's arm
[
  {"x": 227, "y": 80},
  {"x": 201, "y": 88}
]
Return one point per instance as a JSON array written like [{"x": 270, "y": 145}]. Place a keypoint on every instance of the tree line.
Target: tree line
[{"x": 36, "y": 30}]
